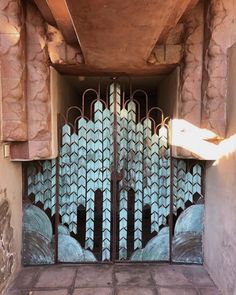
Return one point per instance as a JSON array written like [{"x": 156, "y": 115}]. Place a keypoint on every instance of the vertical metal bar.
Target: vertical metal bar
[
  {"x": 171, "y": 193},
  {"x": 203, "y": 180},
  {"x": 57, "y": 189},
  {"x": 24, "y": 181},
  {"x": 114, "y": 184}
]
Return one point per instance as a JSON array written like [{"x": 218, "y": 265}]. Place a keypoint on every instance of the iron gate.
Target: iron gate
[{"x": 114, "y": 192}]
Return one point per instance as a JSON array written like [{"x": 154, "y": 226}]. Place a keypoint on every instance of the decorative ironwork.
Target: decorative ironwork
[{"x": 115, "y": 141}]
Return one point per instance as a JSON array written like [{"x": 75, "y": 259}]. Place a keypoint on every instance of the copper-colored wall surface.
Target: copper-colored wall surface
[
  {"x": 38, "y": 93},
  {"x": 12, "y": 54},
  {"x": 221, "y": 27},
  {"x": 191, "y": 78}
]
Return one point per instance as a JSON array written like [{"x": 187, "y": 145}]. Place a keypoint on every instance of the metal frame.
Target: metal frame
[{"x": 115, "y": 175}]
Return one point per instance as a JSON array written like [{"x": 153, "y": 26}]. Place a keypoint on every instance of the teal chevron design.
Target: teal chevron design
[
  {"x": 138, "y": 203},
  {"x": 147, "y": 162},
  {"x": 65, "y": 161},
  {"x": 164, "y": 176},
  {"x": 82, "y": 162},
  {"x": 98, "y": 147},
  {"x": 115, "y": 105},
  {"x": 53, "y": 187},
  {"x": 73, "y": 183},
  {"x": 154, "y": 180},
  {"x": 106, "y": 185},
  {"x": 131, "y": 143},
  {"x": 197, "y": 179},
  {"x": 90, "y": 192},
  {"x": 123, "y": 205},
  {"x": 181, "y": 176},
  {"x": 188, "y": 193},
  {"x": 175, "y": 185},
  {"x": 86, "y": 163}
]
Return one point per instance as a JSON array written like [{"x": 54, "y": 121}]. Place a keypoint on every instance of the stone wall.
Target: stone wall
[
  {"x": 44, "y": 45},
  {"x": 12, "y": 57},
  {"x": 37, "y": 85},
  {"x": 220, "y": 35},
  {"x": 210, "y": 30},
  {"x": 191, "y": 67}
]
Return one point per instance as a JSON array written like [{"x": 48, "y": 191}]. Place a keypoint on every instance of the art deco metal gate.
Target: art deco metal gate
[{"x": 114, "y": 189}]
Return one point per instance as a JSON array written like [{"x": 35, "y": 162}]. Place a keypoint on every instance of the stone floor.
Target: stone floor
[{"x": 135, "y": 279}]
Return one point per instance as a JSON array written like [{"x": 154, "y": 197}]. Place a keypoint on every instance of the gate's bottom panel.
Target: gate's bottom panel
[{"x": 40, "y": 244}]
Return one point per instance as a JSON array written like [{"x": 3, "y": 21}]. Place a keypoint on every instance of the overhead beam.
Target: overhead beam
[
  {"x": 85, "y": 70},
  {"x": 118, "y": 34},
  {"x": 45, "y": 11},
  {"x": 62, "y": 17}
]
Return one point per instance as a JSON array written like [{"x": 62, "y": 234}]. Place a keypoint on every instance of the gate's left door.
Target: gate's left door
[
  {"x": 85, "y": 187},
  {"x": 73, "y": 193},
  {"x": 108, "y": 192}
]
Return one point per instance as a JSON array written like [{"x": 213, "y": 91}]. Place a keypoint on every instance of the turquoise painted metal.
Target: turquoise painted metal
[{"x": 86, "y": 164}]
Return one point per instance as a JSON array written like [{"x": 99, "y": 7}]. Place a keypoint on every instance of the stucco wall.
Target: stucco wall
[
  {"x": 63, "y": 95},
  {"x": 11, "y": 205},
  {"x": 168, "y": 94},
  {"x": 220, "y": 220}
]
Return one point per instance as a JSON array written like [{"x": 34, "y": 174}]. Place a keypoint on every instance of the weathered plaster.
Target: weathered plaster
[
  {"x": 38, "y": 83},
  {"x": 191, "y": 69},
  {"x": 7, "y": 255},
  {"x": 59, "y": 51},
  {"x": 37, "y": 90},
  {"x": 168, "y": 93},
  {"x": 14, "y": 127},
  {"x": 44, "y": 45},
  {"x": 166, "y": 54},
  {"x": 221, "y": 26},
  {"x": 63, "y": 94},
  {"x": 172, "y": 51}
]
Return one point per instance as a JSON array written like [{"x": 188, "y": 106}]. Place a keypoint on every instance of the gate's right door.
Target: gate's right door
[{"x": 144, "y": 163}]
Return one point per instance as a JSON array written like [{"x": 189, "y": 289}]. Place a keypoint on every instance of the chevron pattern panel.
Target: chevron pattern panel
[
  {"x": 43, "y": 185},
  {"x": 187, "y": 181},
  {"x": 65, "y": 175},
  {"x": 90, "y": 192},
  {"x": 115, "y": 108},
  {"x": 138, "y": 203},
  {"x": 106, "y": 185},
  {"x": 154, "y": 183},
  {"x": 123, "y": 193},
  {"x": 147, "y": 162},
  {"x": 164, "y": 175},
  {"x": 86, "y": 163},
  {"x": 82, "y": 161}
]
